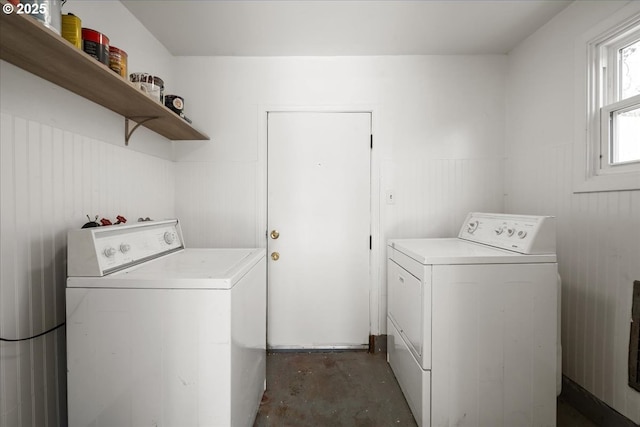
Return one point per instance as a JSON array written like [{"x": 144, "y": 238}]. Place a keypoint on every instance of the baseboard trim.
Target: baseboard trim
[
  {"x": 377, "y": 344},
  {"x": 591, "y": 407}
]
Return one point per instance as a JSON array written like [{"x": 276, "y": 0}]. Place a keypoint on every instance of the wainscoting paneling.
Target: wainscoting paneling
[{"x": 50, "y": 179}]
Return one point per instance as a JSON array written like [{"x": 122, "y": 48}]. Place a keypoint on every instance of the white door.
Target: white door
[{"x": 319, "y": 225}]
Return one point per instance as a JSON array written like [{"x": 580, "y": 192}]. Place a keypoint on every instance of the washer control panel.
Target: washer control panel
[
  {"x": 102, "y": 250},
  {"x": 526, "y": 234}
]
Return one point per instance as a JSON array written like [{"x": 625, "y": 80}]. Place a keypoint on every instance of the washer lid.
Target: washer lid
[
  {"x": 459, "y": 251},
  {"x": 187, "y": 269}
]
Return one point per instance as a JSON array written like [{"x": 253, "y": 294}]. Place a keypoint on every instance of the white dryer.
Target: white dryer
[
  {"x": 473, "y": 323},
  {"x": 161, "y": 335}
]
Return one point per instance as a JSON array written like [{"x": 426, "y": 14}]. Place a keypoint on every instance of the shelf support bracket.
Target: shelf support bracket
[{"x": 139, "y": 121}]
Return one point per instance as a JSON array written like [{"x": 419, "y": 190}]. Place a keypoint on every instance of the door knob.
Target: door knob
[
  {"x": 274, "y": 234},
  {"x": 275, "y": 256}
]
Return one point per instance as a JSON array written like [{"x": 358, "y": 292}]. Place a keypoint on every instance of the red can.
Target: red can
[{"x": 96, "y": 44}]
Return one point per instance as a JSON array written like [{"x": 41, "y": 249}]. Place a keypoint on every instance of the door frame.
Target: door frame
[{"x": 377, "y": 310}]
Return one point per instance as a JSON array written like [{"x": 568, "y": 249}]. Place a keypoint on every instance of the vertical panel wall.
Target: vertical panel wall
[
  {"x": 50, "y": 180},
  {"x": 598, "y": 233},
  {"x": 61, "y": 158}
]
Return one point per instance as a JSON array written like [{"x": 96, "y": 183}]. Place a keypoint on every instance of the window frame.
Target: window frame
[
  {"x": 597, "y": 99},
  {"x": 608, "y": 118}
]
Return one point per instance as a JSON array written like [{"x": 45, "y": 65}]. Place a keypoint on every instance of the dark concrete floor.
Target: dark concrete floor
[
  {"x": 331, "y": 389},
  {"x": 350, "y": 389},
  {"x": 568, "y": 416}
]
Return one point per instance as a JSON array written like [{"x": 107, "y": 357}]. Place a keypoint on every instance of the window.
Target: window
[
  {"x": 610, "y": 153},
  {"x": 617, "y": 86}
]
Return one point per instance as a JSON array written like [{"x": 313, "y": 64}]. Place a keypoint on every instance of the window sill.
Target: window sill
[{"x": 629, "y": 181}]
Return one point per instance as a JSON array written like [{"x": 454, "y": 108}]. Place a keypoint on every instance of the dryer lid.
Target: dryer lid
[{"x": 459, "y": 251}]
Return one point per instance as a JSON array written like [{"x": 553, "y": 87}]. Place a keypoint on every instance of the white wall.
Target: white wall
[
  {"x": 62, "y": 157},
  {"x": 598, "y": 233},
  {"x": 438, "y": 142},
  {"x": 439, "y": 126}
]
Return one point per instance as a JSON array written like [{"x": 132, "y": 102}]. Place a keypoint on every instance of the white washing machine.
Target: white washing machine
[
  {"x": 473, "y": 323},
  {"x": 160, "y": 335}
]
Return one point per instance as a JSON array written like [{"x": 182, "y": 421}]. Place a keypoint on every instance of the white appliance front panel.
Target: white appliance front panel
[
  {"x": 458, "y": 251},
  {"x": 166, "y": 357},
  {"x": 409, "y": 307},
  {"x": 187, "y": 269},
  {"x": 148, "y": 357},
  {"x": 414, "y": 382},
  {"x": 494, "y": 345}
]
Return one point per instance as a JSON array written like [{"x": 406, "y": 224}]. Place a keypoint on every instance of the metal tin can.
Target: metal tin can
[
  {"x": 152, "y": 86},
  {"x": 72, "y": 29},
  {"x": 138, "y": 78},
  {"x": 96, "y": 44},
  {"x": 118, "y": 61},
  {"x": 159, "y": 83},
  {"x": 48, "y": 12}
]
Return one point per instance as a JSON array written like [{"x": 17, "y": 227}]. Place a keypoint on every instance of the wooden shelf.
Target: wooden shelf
[{"x": 28, "y": 44}]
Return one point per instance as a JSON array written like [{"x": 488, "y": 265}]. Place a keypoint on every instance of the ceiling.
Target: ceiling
[{"x": 333, "y": 28}]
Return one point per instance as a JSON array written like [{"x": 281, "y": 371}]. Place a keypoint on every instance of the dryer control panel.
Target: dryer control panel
[
  {"x": 525, "y": 234},
  {"x": 103, "y": 250}
]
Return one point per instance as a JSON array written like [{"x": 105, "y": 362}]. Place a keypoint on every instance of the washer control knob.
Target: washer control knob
[
  {"x": 499, "y": 231},
  {"x": 169, "y": 237},
  {"x": 125, "y": 247},
  {"x": 110, "y": 252},
  {"x": 522, "y": 234},
  {"x": 472, "y": 227},
  {"x": 510, "y": 231}
]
